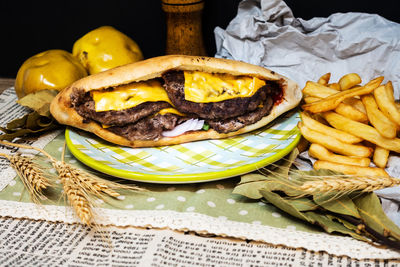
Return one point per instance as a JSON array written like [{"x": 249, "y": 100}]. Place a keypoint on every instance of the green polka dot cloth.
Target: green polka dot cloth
[
  {"x": 207, "y": 207},
  {"x": 211, "y": 198}
]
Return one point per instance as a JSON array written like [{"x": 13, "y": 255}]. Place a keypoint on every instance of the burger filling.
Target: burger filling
[
  {"x": 234, "y": 111},
  {"x": 146, "y": 110}
]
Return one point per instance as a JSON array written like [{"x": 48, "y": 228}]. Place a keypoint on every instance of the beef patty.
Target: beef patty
[
  {"x": 230, "y": 108},
  {"x": 141, "y": 123},
  {"x": 85, "y": 106}
]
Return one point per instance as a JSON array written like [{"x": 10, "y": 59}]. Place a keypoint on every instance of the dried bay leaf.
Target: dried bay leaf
[
  {"x": 373, "y": 215},
  {"x": 250, "y": 190},
  {"x": 345, "y": 223},
  {"x": 284, "y": 185},
  {"x": 302, "y": 204},
  {"x": 283, "y": 204},
  {"x": 330, "y": 225},
  {"x": 356, "y": 214},
  {"x": 341, "y": 205},
  {"x": 252, "y": 177},
  {"x": 25, "y": 132},
  {"x": 37, "y": 121},
  {"x": 17, "y": 123},
  {"x": 39, "y": 101},
  {"x": 250, "y": 185},
  {"x": 29, "y": 124}
]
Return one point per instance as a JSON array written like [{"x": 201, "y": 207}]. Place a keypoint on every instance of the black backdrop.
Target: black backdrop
[{"x": 29, "y": 27}]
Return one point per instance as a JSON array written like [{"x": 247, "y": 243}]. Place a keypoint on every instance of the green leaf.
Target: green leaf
[
  {"x": 283, "y": 204},
  {"x": 32, "y": 121},
  {"x": 39, "y": 101},
  {"x": 17, "y": 123},
  {"x": 25, "y": 132},
  {"x": 252, "y": 177},
  {"x": 302, "y": 204},
  {"x": 250, "y": 190},
  {"x": 284, "y": 185},
  {"x": 249, "y": 185},
  {"x": 341, "y": 205},
  {"x": 5, "y": 130},
  {"x": 331, "y": 225},
  {"x": 345, "y": 223},
  {"x": 372, "y": 214}
]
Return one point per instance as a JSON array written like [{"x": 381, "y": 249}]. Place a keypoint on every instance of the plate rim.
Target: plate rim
[{"x": 181, "y": 178}]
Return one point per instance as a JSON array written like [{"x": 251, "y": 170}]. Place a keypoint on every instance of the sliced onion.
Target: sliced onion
[{"x": 189, "y": 125}]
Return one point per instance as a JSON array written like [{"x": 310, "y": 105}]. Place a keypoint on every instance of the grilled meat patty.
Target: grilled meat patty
[
  {"x": 175, "y": 83},
  {"x": 141, "y": 123},
  {"x": 85, "y": 106}
]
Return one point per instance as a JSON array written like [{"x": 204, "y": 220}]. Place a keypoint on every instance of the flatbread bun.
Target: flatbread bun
[{"x": 62, "y": 110}]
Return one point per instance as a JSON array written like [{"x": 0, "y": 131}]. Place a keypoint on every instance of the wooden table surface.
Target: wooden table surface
[{"x": 6, "y": 83}]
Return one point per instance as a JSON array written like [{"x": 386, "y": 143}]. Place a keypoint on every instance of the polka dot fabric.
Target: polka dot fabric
[{"x": 210, "y": 198}]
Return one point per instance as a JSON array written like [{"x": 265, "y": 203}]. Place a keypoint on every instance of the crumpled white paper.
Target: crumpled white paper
[{"x": 266, "y": 33}]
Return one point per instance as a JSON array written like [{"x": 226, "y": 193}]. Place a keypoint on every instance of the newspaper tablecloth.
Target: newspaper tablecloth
[{"x": 203, "y": 208}]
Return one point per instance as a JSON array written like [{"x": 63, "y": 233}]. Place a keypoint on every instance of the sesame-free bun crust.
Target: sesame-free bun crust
[{"x": 154, "y": 67}]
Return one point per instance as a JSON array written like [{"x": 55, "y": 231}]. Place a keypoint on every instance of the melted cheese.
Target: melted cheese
[
  {"x": 130, "y": 95},
  {"x": 204, "y": 87},
  {"x": 170, "y": 110}
]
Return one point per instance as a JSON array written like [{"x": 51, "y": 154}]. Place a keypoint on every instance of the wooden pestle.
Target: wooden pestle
[{"x": 184, "y": 27}]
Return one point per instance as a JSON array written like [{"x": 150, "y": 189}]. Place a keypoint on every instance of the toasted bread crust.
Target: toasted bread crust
[{"x": 64, "y": 113}]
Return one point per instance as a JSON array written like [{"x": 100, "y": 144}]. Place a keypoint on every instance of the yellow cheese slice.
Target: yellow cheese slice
[
  {"x": 130, "y": 95},
  {"x": 170, "y": 110},
  {"x": 201, "y": 87}
]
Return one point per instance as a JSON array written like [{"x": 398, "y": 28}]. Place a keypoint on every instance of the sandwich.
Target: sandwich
[{"x": 175, "y": 99}]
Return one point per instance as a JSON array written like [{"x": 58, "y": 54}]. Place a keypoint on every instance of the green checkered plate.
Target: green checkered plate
[{"x": 192, "y": 162}]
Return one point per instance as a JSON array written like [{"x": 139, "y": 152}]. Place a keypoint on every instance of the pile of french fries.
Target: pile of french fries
[{"x": 348, "y": 123}]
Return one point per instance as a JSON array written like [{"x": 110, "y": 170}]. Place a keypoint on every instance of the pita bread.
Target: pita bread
[{"x": 64, "y": 113}]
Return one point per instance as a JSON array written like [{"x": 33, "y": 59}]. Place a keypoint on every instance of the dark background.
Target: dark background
[{"x": 30, "y": 27}]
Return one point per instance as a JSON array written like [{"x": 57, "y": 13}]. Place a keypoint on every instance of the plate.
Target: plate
[{"x": 192, "y": 162}]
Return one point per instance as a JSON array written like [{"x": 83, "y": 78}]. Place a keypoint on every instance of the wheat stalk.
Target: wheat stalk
[
  {"x": 350, "y": 184},
  {"x": 31, "y": 175},
  {"x": 79, "y": 185},
  {"x": 76, "y": 194}
]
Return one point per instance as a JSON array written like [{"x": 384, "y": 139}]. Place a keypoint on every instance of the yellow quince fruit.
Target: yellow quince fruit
[
  {"x": 52, "y": 69},
  {"x": 105, "y": 48}
]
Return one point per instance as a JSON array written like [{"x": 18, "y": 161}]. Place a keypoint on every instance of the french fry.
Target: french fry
[
  {"x": 324, "y": 79},
  {"x": 381, "y": 156},
  {"x": 386, "y": 103},
  {"x": 356, "y": 103},
  {"x": 382, "y": 124},
  {"x": 320, "y": 152},
  {"x": 318, "y": 90},
  {"x": 362, "y": 130},
  {"x": 343, "y": 109},
  {"x": 335, "y": 86},
  {"x": 349, "y": 80},
  {"x": 327, "y": 130},
  {"x": 390, "y": 91},
  {"x": 351, "y": 112},
  {"x": 334, "y": 144},
  {"x": 350, "y": 169},
  {"x": 331, "y": 102},
  {"x": 397, "y": 104},
  {"x": 310, "y": 99}
]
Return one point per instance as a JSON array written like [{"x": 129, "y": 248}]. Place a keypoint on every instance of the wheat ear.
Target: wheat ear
[
  {"x": 351, "y": 184},
  {"x": 76, "y": 195},
  {"x": 31, "y": 175},
  {"x": 79, "y": 185}
]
